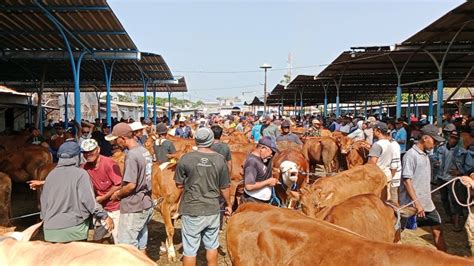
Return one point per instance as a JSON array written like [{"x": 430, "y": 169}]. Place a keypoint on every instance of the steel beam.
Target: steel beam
[
  {"x": 430, "y": 107},
  {"x": 27, "y": 8},
  {"x": 64, "y": 55},
  {"x": 439, "y": 102}
]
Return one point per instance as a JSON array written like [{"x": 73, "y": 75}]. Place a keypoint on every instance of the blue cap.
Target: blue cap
[
  {"x": 267, "y": 141},
  {"x": 69, "y": 149}
]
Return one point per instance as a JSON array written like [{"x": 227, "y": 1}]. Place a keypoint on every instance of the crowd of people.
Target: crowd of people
[{"x": 413, "y": 155}]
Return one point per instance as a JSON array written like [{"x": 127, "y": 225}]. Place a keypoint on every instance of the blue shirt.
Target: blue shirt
[
  {"x": 256, "y": 135},
  {"x": 402, "y": 135}
]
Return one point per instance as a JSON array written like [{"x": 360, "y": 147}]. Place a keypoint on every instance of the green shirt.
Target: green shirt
[{"x": 203, "y": 175}]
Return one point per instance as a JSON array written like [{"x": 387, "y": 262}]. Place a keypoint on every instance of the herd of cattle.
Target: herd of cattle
[{"x": 343, "y": 217}]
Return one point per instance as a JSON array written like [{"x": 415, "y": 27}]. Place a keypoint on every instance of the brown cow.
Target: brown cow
[
  {"x": 21, "y": 165},
  {"x": 260, "y": 234},
  {"x": 317, "y": 199},
  {"x": 14, "y": 142},
  {"x": 232, "y": 136},
  {"x": 355, "y": 153},
  {"x": 367, "y": 216},
  {"x": 5, "y": 199},
  {"x": 236, "y": 177},
  {"x": 287, "y": 164},
  {"x": 467, "y": 139},
  {"x": 322, "y": 150},
  {"x": 24, "y": 252},
  {"x": 243, "y": 147}
]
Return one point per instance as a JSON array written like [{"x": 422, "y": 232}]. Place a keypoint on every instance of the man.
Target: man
[
  {"x": 368, "y": 132},
  {"x": 256, "y": 132},
  {"x": 286, "y": 135},
  {"x": 346, "y": 125},
  {"x": 204, "y": 175},
  {"x": 314, "y": 130},
  {"x": 183, "y": 131},
  {"x": 415, "y": 186},
  {"x": 395, "y": 168},
  {"x": 105, "y": 146},
  {"x": 162, "y": 146},
  {"x": 381, "y": 153},
  {"x": 269, "y": 129},
  {"x": 401, "y": 136},
  {"x": 468, "y": 181},
  {"x": 106, "y": 179},
  {"x": 136, "y": 206},
  {"x": 358, "y": 134},
  {"x": 137, "y": 132},
  {"x": 450, "y": 162},
  {"x": 241, "y": 125},
  {"x": 36, "y": 137},
  {"x": 67, "y": 200},
  {"x": 258, "y": 180},
  {"x": 86, "y": 131},
  {"x": 221, "y": 147}
]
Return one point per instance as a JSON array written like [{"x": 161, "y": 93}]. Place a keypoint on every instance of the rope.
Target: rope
[
  {"x": 275, "y": 199},
  {"x": 24, "y": 216}
]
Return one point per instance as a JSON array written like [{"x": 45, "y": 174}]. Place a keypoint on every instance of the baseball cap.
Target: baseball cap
[
  {"x": 136, "y": 126},
  {"x": 432, "y": 131},
  {"x": 182, "y": 119},
  {"x": 89, "y": 145},
  {"x": 267, "y": 141},
  {"x": 120, "y": 130},
  {"x": 204, "y": 137},
  {"x": 381, "y": 126},
  {"x": 449, "y": 127},
  {"x": 147, "y": 121},
  {"x": 371, "y": 119},
  {"x": 69, "y": 149},
  {"x": 316, "y": 121}
]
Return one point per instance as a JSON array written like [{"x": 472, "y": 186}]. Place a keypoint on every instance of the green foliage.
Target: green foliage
[
  {"x": 419, "y": 97},
  {"x": 174, "y": 101},
  {"x": 124, "y": 98}
]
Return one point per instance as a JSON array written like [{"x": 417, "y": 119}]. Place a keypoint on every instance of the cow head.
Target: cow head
[
  {"x": 313, "y": 199},
  {"x": 345, "y": 144},
  {"x": 289, "y": 172},
  {"x": 22, "y": 236}
]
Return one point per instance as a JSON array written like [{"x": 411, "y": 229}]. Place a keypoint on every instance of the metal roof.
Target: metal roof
[
  {"x": 369, "y": 72},
  {"x": 92, "y": 23}
]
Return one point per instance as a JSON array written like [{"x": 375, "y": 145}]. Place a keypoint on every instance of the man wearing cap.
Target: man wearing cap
[
  {"x": 401, "y": 136},
  {"x": 204, "y": 176},
  {"x": 286, "y": 135},
  {"x": 314, "y": 130},
  {"x": 256, "y": 132},
  {"x": 416, "y": 179},
  {"x": 369, "y": 132},
  {"x": 136, "y": 206},
  {"x": 183, "y": 131},
  {"x": 105, "y": 177},
  {"x": 137, "y": 132},
  {"x": 67, "y": 199},
  {"x": 161, "y": 145},
  {"x": 381, "y": 153},
  {"x": 258, "y": 179},
  {"x": 269, "y": 129},
  {"x": 451, "y": 162}
]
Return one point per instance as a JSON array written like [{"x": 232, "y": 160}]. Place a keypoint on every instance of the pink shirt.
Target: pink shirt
[{"x": 105, "y": 175}]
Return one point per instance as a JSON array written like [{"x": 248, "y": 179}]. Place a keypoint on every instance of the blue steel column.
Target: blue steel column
[
  {"x": 108, "y": 83},
  {"x": 301, "y": 103},
  {"x": 169, "y": 107},
  {"x": 439, "y": 102},
  {"x": 472, "y": 107},
  {"x": 430, "y": 108},
  {"x": 145, "y": 99},
  {"x": 408, "y": 111},
  {"x": 325, "y": 103},
  {"x": 154, "y": 104},
  {"x": 399, "y": 102}
]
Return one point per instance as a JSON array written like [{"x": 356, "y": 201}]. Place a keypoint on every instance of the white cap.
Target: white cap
[
  {"x": 182, "y": 119},
  {"x": 136, "y": 126}
]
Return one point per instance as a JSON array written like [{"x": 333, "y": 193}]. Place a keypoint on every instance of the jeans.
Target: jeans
[{"x": 133, "y": 228}]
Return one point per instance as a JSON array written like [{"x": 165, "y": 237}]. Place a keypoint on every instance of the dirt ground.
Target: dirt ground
[{"x": 25, "y": 202}]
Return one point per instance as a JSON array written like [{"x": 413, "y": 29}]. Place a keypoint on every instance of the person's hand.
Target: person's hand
[
  {"x": 420, "y": 212},
  {"x": 109, "y": 223},
  {"x": 115, "y": 196},
  {"x": 467, "y": 181},
  {"x": 100, "y": 199},
  {"x": 272, "y": 181},
  {"x": 35, "y": 184},
  {"x": 228, "y": 211}
]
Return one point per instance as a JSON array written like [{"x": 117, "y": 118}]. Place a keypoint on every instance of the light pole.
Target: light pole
[{"x": 265, "y": 67}]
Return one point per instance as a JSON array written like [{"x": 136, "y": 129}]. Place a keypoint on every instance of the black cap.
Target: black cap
[
  {"x": 381, "y": 126},
  {"x": 285, "y": 123},
  {"x": 432, "y": 131},
  {"x": 267, "y": 141}
]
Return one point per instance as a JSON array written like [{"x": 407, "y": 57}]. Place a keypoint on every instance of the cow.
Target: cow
[
  {"x": 260, "y": 234},
  {"x": 322, "y": 150},
  {"x": 243, "y": 147},
  {"x": 21, "y": 164},
  {"x": 366, "y": 215},
  {"x": 317, "y": 199},
  {"x": 283, "y": 145},
  {"x": 16, "y": 249},
  {"x": 291, "y": 168},
  {"x": 11, "y": 143},
  {"x": 354, "y": 152},
  {"x": 5, "y": 199},
  {"x": 232, "y": 136},
  {"x": 236, "y": 177}
]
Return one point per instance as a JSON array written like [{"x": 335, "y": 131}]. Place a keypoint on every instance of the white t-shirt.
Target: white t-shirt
[
  {"x": 396, "y": 163},
  {"x": 382, "y": 149}
]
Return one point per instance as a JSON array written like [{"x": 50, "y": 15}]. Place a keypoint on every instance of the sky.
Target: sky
[{"x": 218, "y": 46}]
